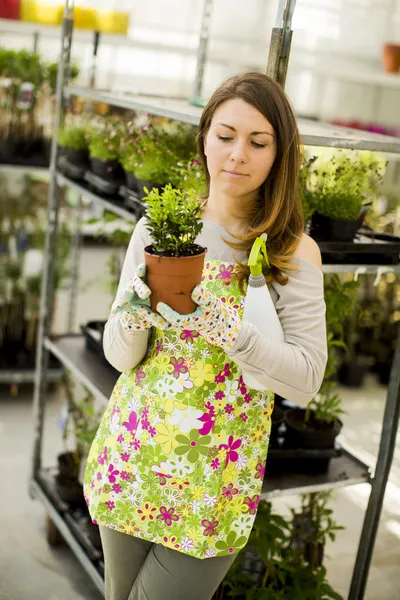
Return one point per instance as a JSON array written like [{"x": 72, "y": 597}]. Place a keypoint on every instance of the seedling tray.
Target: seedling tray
[
  {"x": 132, "y": 201},
  {"x": 371, "y": 253},
  {"x": 70, "y": 170},
  {"x": 109, "y": 188},
  {"x": 298, "y": 460}
]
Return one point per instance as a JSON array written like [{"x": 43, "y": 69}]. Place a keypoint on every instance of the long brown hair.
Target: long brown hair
[{"x": 277, "y": 210}]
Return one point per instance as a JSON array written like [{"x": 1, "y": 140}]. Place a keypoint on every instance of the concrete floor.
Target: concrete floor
[{"x": 30, "y": 569}]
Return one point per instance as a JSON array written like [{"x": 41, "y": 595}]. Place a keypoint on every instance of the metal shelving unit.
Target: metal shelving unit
[
  {"x": 344, "y": 470},
  {"x": 313, "y": 133}
]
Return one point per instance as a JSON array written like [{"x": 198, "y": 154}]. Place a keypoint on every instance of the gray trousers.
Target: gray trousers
[{"x": 139, "y": 570}]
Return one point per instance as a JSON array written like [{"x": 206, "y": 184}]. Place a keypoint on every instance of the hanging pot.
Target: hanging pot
[
  {"x": 311, "y": 435},
  {"x": 172, "y": 279}
]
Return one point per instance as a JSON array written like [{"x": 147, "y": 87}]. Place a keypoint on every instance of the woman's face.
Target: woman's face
[{"x": 240, "y": 147}]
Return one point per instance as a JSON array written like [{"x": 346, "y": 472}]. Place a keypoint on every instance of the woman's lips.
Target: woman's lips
[{"x": 235, "y": 174}]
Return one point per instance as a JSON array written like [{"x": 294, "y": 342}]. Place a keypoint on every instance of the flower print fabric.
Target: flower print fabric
[{"x": 179, "y": 457}]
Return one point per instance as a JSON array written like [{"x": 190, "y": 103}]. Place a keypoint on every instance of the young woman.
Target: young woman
[{"x": 175, "y": 471}]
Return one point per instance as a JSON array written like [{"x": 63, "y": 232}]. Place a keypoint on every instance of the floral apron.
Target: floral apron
[{"x": 180, "y": 454}]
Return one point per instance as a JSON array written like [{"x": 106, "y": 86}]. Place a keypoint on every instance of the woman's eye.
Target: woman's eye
[
  {"x": 224, "y": 138},
  {"x": 258, "y": 145}
]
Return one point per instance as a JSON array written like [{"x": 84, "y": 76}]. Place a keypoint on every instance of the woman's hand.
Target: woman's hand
[
  {"x": 133, "y": 308},
  {"x": 217, "y": 323}
]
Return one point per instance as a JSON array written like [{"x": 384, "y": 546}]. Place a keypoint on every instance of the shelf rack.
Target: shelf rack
[
  {"x": 313, "y": 133},
  {"x": 345, "y": 470}
]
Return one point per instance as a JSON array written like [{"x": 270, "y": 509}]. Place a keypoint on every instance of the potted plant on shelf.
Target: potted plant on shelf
[
  {"x": 319, "y": 424},
  {"x": 73, "y": 143},
  {"x": 174, "y": 261},
  {"x": 312, "y": 526},
  {"x": 154, "y": 152},
  {"x": 104, "y": 148},
  {"x": 338, "y": 187},
  {"x": 128, "y": 155},
  {"x": 81, "y": 420},
  {"x": 73, "y": 140},
  {"x": 280, "y": 561}
]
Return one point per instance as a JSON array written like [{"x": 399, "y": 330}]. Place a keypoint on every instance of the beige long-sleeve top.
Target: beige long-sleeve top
[{"x": 293, "y": 369}]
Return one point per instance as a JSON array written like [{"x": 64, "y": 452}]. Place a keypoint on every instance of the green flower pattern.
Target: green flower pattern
[{"x": 179, "y": 452}]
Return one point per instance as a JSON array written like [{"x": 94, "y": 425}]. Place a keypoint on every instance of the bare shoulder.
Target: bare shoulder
[{"x": 308, "y": 250}]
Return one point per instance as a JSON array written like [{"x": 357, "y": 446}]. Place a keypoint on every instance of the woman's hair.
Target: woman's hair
[{"x": 278, "y": 209}]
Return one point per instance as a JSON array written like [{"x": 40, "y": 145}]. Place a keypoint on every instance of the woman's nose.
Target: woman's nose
[{"x": 238, "y": 153}]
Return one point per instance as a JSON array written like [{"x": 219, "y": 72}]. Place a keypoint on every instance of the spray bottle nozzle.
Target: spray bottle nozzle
[{"x": 258, "y": 256}]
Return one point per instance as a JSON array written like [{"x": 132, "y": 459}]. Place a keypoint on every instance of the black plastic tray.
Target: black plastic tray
[
  {"x": 286, "y": 459},
  {"x": 132, "y": 201},
  {"x": 109, "y": 188},
  {"x": 373, "y": 253},
  {"x": 70, "y": 170}
]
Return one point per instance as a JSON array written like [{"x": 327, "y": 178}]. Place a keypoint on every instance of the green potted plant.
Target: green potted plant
[
  {"x": 104, "y": 149},
  {"x": 174, "y": 261},
  {"x": 128, "y": 155},
  {"x": 52, "y": 72},
  {"x": 312, "y": 526},
  {"x": 73, "y": 142},
  {"x": 22, "y": 97},
  {"x": 154, "y": 160},
  {"x": 280, "y": 561},
  {"x": 337, "y": 187},
  {"x": 319, "y": 424},
  {"x": 82, "y": 421}
]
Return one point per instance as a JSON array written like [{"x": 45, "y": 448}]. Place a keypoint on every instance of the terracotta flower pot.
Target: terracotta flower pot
[
  {"x": 391, "y": 58},
  {"x": 172, "y": 279}
]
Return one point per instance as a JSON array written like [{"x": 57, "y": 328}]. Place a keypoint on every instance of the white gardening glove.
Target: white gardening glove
[
  {"x": 217, "y": 323},
  {"x": 133, "y": 307}
]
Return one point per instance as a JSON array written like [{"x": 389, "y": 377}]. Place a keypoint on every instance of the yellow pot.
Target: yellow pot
[
  {"x": 84, "y": 18},
  {"x": 48, "y": 14},
  {"x": 112, "y": 21},
  {"x": 28, "y": 10}
]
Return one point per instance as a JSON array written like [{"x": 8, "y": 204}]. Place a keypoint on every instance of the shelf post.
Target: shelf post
[
  {"x": 202, "y": 48},
  {"x": 47, "y": 287},
  {"x": 75, "y": 251},
  {"x": 281, "y": 39},
  {"x": 379, "y": 481}
]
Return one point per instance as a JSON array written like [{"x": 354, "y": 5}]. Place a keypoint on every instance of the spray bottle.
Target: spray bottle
[{"x": 259, "y": 308}]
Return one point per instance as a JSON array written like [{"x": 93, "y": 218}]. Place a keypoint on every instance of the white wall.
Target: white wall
[{"x": 330, "y": 36}]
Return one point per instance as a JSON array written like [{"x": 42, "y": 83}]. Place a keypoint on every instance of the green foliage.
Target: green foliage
[
  {"x": 52, "y": 71},
  {"x": 22, "y": 65},
  {"x": 105, "y": 142},
  {"x": 83, "y": 417},
  {"x": 73, "y": 137},
  {"x": 337, "y": 183},
  {"x": 173, "y": 219},
  {"x": 286, "y": 548},
  {"x": 190, "y": 176},
  {"x": 153, "y": 151},
  {"x": 341, "y": 299}
]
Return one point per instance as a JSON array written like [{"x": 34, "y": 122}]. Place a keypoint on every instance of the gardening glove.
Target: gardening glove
[
  {"x": 133, "y": 307},
  {"x": 217, "y": 323}
]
